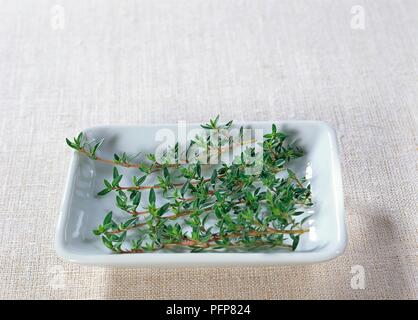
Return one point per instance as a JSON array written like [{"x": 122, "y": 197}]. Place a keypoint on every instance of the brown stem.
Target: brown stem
[
  {"x": 172, "y": 217},
  {"x": 158, "y": 186},
  {"x": 159, "y": 166},
  {"x": 126, "y": 165},
  {"x": 255, "y": 233},
  {"x": 204, "y": 245},
  {"x": 136, "y": 213},
  {"x": 298, "y": 182},
  {"x": 183, "y": 199}
]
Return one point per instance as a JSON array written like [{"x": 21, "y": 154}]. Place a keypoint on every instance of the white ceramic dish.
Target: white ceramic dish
[{"x": 82, "y": 210}]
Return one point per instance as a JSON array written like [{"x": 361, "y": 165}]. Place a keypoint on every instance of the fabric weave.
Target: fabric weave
[{"x": 67, "y": 65}]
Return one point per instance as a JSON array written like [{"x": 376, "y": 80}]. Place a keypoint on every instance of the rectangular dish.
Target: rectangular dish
[{"x": 82, "y": 210}]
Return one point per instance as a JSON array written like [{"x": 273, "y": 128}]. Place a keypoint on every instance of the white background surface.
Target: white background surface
[{"x": 120, "y": 62}]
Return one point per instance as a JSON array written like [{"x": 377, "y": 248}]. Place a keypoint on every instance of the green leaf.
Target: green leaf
[
  {"x": 122, "y": 237},
  {"x": 108, "y": 226},
  {"x": 104, "y": 191},
  {"x": 195, "y": 235},
  {"x": 151, "y": 157},
  {"x": 136, "y": 199},
  {"x": 79, "y": 137},
  {"x": 96, "y": 146},
  {"x": 107, "y": 184},
  {"x": 152, "y": 196},
  {"x": 297, "y": 213},
  {"x": 107, "y": 243},
  {"x": 166, "y": 173},
  {"x": 116, "y": 181},
  {"x": 115, "y": 172},
  {"x": 218, "y": 213},
  {"x": 129, "y": 222},
  {"x": 228, "y": 124},
  {"x": 184, "y": 188},
  {"x": 108, "y": 218},
  {"x": 280, "y": 162},
  {"x": 213, "y": 177},
  {"x": 122, "y": 195},
  {"x": 120, "y": 202},
  {"x": 205, "y": 218},
  {"x": 249, "y": 196},
  {"x": 163, "y": 209},
  {"x": 305, "y": 219},
  {"x": 282, "y": 136},
  {"x": 113, "y": 237},
  {"x": 198, "y": 169},
  {"x": 133, "y": 194},
  {"x": 141, "y": 180},
  {"x": 295, "y": 242},
  {"x": 135, "y": 180},
  {"x": 72, "y": 145}
]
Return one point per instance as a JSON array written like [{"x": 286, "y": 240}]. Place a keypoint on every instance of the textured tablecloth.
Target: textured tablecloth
[{"x": 67, "y": 65}]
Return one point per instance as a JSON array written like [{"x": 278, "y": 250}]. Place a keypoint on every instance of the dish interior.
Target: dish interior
[{"x": 84, "y": 210}]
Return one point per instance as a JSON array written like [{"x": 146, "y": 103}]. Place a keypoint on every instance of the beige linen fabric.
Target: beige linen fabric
[{"x": 67, "y": 65}]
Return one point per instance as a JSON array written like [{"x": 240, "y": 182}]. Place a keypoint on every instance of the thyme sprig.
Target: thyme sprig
[{"x": 186, "y": 209}]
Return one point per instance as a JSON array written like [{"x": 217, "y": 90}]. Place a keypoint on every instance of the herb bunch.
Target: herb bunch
[{"x": 195, "y": 206}]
